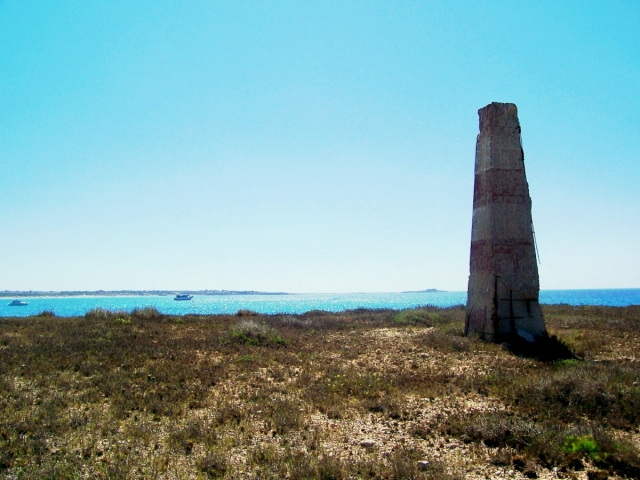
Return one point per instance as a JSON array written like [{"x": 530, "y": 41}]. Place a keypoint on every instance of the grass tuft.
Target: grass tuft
[
  {"x": 104, "y": 314},
  {"x": 249, "y": 332},
  {"x": 147, "y": 313}
]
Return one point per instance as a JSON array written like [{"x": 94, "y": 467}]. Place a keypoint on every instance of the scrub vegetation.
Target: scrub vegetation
[{"x": 358, "y": 394}]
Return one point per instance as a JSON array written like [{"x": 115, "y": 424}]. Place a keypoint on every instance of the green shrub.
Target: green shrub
[
  {"x": 249, "y": 332},
  {"x": 584, "y": 445},
  {"x": 104, "y": 314},
  {"x": 416, "y": 317},
  {"x": 147, "y": 313}
]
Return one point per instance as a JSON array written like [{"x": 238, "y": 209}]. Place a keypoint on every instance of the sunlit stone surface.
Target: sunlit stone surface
[{"x": 502, "y": 298}]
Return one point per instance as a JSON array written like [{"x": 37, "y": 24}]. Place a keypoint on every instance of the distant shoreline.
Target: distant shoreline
[
  {"x": 154, "y": 293},
  {"x": 428, "y": 290},
  {"x": 132, "y": 293}
]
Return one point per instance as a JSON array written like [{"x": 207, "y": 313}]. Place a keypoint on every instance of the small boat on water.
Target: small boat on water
[
  {"x": 18, "y": 303},
  {"x": 183, "y": 297}
]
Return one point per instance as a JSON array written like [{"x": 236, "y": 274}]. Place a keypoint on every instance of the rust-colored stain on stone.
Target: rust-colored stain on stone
[{"x": 502, "y": 298}]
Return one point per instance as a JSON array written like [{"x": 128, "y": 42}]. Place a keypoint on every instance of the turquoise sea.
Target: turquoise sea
[{"x": 293, "y": 303}]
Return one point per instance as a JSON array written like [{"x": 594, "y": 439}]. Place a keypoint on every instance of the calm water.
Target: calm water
[{"x": 74, "y": 306}]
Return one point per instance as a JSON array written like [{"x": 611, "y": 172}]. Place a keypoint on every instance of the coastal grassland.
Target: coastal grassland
[{"x": 358, "y": 394}]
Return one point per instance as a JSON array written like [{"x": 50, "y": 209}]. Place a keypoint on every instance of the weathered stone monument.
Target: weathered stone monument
[{"x": 502, "y": 299}]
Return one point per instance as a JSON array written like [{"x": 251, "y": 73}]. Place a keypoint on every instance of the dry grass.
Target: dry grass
[{"x": 358, "y": 394}]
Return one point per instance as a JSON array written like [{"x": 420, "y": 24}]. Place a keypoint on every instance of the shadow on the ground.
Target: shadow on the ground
[{"x": 546, "y": 349}]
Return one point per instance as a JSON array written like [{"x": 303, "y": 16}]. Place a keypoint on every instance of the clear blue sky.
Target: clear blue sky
[{"x": 308, "y": 146}]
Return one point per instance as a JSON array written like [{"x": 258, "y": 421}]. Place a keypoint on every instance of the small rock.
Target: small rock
[
  {"x": 367, "y": 443},
  {"x": 423, "y": 465}
]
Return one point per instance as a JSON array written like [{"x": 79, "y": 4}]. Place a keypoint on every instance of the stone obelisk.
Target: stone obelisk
[{"x": 502, "y": 299}]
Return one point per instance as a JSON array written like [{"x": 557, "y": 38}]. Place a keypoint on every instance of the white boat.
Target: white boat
[
  {"x": 183, "y": 297},
  {"x": 18, "y": 303}
]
